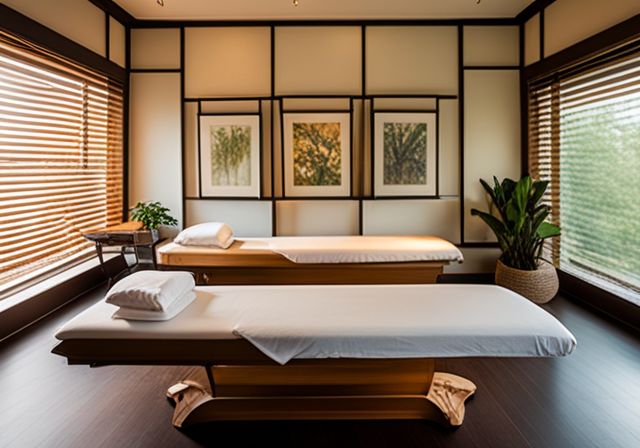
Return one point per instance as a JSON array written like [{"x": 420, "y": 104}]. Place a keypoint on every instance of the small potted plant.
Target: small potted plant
[
  {"x": 519, "y": 222},
  {"x": 152, "y": 215}
]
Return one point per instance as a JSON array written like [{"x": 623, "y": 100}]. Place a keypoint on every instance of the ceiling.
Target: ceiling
[{"x": 321, "y": 9}]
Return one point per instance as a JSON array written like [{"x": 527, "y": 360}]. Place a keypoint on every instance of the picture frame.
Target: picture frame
[
  {"x": 405, "y": 146},
  {"x": 317, "y": 154},
  {"x": 229, "y": 155}
]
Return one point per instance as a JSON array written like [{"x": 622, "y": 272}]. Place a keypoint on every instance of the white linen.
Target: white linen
[
  {"x": 216, "y": 234},
  {"x": 354, "y": 321},
  {"x": 150, "y": 290},
  {"x": 172, "y": 310},
  {"x": 364, "y": 249}
]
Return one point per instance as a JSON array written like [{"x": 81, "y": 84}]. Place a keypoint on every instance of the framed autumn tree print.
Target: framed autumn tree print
[
  {"x": 317, "y": 154},
  {"x": 230, "y": 155},
  {"x": 405, "y": 153}
]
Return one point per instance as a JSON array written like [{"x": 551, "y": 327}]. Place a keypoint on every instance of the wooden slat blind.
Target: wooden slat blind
[
  {"x": 61, "y": 158},
  {"x": 584, "y": 137}
]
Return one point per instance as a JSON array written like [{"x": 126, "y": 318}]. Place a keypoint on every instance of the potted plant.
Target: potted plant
[
  {"x": 152, "y": 215},
  {"x": 518, "y": 220}
]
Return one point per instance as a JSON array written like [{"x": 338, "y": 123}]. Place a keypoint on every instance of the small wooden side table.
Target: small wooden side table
[{"x": 126, "y": 235}]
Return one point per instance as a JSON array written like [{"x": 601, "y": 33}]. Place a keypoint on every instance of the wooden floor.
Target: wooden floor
[{"x": 590, "y": 399}]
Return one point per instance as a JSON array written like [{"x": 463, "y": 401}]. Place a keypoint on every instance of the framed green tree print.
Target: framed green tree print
[
  {"x": 405, "y": 153},
  {"x": 317, "y": 154},
  {"x": 230, "y": 155}
]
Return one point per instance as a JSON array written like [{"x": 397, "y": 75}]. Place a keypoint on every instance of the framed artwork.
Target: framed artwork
[
  {"x": 317, "y": 154},
  {"x": 405, "y": 153},
  {"x": 230, "y": 155}
]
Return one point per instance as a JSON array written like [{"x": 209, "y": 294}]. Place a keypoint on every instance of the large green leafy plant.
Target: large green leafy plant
[
  {"x": 152, "y": 215},
  {"x": 518, "y": 220}
]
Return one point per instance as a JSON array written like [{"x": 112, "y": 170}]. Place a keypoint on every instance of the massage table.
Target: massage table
[
  {"x": 314, "y": 260},
  {"x": 322, "y": 352}
]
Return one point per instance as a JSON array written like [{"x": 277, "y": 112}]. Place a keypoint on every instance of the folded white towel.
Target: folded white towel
[
  {"x": 216, "y": 234},
  {"x": 150, "y": 290},
  {"x": 173, "y": 310}
]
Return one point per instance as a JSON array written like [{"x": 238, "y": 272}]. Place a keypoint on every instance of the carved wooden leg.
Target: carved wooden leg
[
  {"x": 449, "y": 392},
  {"x": 187, "y": 395}
]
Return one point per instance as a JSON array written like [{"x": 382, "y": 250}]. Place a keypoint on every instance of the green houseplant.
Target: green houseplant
[
  {"x": 153, "y": 215},
  {"x": 518, "y": 220}
]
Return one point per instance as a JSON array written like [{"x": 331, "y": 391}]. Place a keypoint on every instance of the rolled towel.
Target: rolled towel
[
  {"x": 172, "y": 311},
  {"x": 216, "y": 234},
  {"x": 150, "y": 290}
]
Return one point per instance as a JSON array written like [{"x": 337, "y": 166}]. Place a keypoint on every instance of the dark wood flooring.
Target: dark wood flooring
[{"x": 589, "y": 399}]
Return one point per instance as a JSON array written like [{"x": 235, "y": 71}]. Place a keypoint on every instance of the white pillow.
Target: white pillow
[
  {"x": 150, "y": 290},
  {"x": 216, "y": 234},
  {"x": 172, "y": 311}
]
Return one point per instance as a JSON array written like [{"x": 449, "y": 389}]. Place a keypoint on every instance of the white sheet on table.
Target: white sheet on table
[
  {"x": 364, "y": 249},
  {"x": 355, "y": 321},
  {"x": 402, "y": 321}
]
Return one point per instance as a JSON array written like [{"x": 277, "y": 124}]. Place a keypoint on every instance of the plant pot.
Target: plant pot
[
  {"x": 146, "y": 236},
  {"x": 539, "y": 286}
]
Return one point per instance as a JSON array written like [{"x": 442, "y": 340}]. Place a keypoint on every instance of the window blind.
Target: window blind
[
  {"x": 61, "y": 158},
  {"x": 584, "y": 138}
]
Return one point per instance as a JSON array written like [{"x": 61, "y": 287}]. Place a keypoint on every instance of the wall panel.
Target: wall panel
[
  {"x": 318, "y": 60},
  {"x": 415, "y": 217},
  {"x": 117, "y": 42},
  {"x": 79, "y": 20},
  {"x": 532, "y": 40},
  {"x": 491, "y": 139},
  {"x": 491, "y": 45},
  {"x": 246, "y": 218},
  {"x": 570, "y": 21},
  {"x": 449, "y": 147},
  {"x": 155, "y": 140},
  {"x": 227, "y": 62},
  {"x": 155, "y": 48},
  {"x": 402, "y": 59},
  {"x": 297, "y": 218}
]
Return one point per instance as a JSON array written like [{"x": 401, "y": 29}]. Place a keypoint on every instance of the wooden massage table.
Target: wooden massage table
[
  {"x": 322, "y": 352},
  {"x": 314, "y": 260}
]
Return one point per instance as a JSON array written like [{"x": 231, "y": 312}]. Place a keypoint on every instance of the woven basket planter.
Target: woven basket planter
[{"x": 539, "y": 286}]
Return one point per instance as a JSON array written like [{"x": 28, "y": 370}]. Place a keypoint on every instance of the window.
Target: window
[
  {"x": 584, "y": 137},
  {"x": 61, "y": 166}
]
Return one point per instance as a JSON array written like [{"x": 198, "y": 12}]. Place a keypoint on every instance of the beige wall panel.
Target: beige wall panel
[
  {"x": 449, "y": 148},
  {"x": 79, "y": 20},
  {"x": 155, "y": 140},
  {"x": 229, "y": 107},
  {"x": 491, "y": 45},
  {"x": 357, "y": 135},
  {"x": 155, "y": 48},
  {"x": 367, "y": 148},
  {"x": 476, "y": 261},
  {"x": 532, "y": 40},
  {"x": 191, "y": 161},
  {"x": 570, "y": 21},
  {"x": 318, "y": 60},
  {"x": 117, "y": 42},
  {"x": 428, "y": 217},
  {"x": 317, "y": 218},
  {"x": 412, "y": 59},
  {"x": 227, "y": 61},
  {"x": 491, "y": 139},
  {"x": 266, "y": 147},
  {"x": 316, "y": 103},
  {"x": 246, "y": 218},
  {"x": 405, "y": 104}
]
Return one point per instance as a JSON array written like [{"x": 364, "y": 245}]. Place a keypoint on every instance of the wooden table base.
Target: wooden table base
[{"x": 444, "y": 402}]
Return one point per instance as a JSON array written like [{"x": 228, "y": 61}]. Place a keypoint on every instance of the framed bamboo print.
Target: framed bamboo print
[
  {"x": 230, "y": 155},
  {"x": 405, "y": 153},
  {"x": 317, "y": 154}
]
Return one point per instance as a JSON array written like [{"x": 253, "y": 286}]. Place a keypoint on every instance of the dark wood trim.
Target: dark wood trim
[
  {"x": 541, "y": 34},
  {"x": 107, "y": 36},
  {"x": 347, "y": 22},
  {"x": 524, "y": 108},
  {"x": 531, "y": 10},
  {"x": 125, "y": 127},
  {"x": 491, "y": 67},
  {"x": 461, "y": 126},
  {"x": 597, "y": 298},
  {"x": 608, "y": 39},
  {"x": 183, "y": 138},
  {"x": 484, "y": 279},
  {"x": 21, "y": 25},
  {"x": 25, "y": 313},
  {"x": 116, "y": 11}
]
